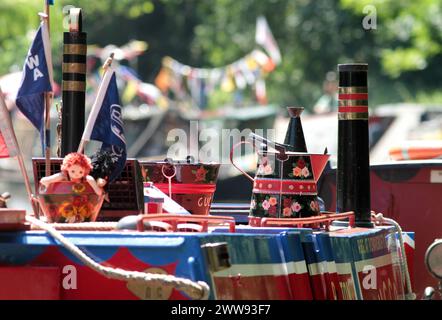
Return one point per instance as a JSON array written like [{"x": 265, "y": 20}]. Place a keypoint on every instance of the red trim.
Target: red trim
[
  {"x": 353, "y": 109},
  {"x": 191, "y": 188},
  {"x": 353, "y": 96},
  {"x": 284, "y": 186}
]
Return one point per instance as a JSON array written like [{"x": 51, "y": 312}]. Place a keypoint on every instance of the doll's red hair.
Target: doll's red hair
[{"x": 78, "y": 159}]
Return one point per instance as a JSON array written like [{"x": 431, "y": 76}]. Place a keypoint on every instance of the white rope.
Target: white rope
[
  {"x": 195, "y": 290},
  {"x": 379, "y": 217}
]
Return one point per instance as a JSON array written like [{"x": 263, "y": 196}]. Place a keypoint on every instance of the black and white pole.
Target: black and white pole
[
  {"x": 353, "y": 172},
  {"x": 74, "y": 83}
]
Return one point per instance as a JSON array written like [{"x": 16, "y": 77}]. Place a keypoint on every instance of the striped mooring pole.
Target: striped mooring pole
[
  {"x": 353, "y": 172},
  {"x": 74, "y": 83}
]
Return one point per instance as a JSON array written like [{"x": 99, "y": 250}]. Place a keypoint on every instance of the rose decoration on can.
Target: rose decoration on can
[
  {"x": 314, "y": 206},
  {"x": 273, "y": 201},
  {"x": 297, "y": 172},
  {"x": 269, "y": 205},
  {"x": 200, "y": 174},
  {"x": 272, "y": 211},
  {"x": 265, "y": 168},
  {"x": 305, "y": 172},
  {"x": 266, "y": 205},
  {"x": 300, "y": 170},
  {"x": 296, "y": 207},
  {"x": 286, "y": 212}
]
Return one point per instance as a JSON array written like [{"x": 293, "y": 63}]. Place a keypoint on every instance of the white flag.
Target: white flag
[{"x": 264, "y": 37}]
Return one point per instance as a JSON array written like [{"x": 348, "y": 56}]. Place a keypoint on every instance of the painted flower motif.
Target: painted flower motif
[
  {"x": 84, "y": 212},
  {"x": 200, "y": 174},
  {"x": 272, "y": 211},
  {"x": 79, "y": 201},
  {"x": 301, "y": 163},
  {"x": 266, "y": 205},
  {"x": 314, "y": 206},
  {"x": 297, "y": 171},
  {"x": 296, "y": 207},
  {"x": 73, "y": 213},
  {"x": 265, "y": 167},
  {"x": 268, "y": 169},
  {"x": 287, "y": 202},
  {"x": 66, "y": 210},
  {"x": 78, "y": 188},
  {"x": 305, "y": 172},
  {"x": 286, "y": 212},
  {"x": 264, "y": 161},
  {"x": 253, "y": 204},
  {"x": 273, "y": 201}
]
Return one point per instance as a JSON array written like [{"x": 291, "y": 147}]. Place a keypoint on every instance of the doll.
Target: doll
[{"x": 76, "y": 168}]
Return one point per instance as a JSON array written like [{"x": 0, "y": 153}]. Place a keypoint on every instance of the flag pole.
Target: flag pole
[
  {"x": 100, "y": 96},
  {"x": 48, "y": 100},
  {"x": 19, "y": 155}
]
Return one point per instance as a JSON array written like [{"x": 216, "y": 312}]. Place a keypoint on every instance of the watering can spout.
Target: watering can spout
[{"x": 319, "y": 161}]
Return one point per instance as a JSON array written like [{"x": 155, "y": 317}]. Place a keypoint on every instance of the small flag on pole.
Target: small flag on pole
[
  {"x": 9, "y": 146},
  {"x": 264, "y": 37},
  {"x": 36, "y": 80},
  {"x": 105, "y": 122}
]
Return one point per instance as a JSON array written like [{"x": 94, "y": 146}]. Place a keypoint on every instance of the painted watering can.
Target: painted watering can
[{"x": 285, "y": 184}]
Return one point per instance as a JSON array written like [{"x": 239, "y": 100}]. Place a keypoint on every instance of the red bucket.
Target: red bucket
[{"x": 192, "y": 185}]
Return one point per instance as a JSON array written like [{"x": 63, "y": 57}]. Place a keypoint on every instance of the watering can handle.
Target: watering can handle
[{"x": 231, "y": 159}]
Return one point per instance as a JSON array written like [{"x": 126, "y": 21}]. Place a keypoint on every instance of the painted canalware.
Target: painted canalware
[
  {"x": 285, "y": 184},
  {"x": 190, "y": 184},
  {"x": 69, "y": 202}
]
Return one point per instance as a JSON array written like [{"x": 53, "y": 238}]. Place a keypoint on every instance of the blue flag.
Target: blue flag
[
  {"x": 107, "y": 126},
  {"x": 36, "y": 80}
]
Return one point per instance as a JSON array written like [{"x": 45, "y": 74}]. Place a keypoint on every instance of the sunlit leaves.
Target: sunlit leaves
[{"x": 409, "y": 32}]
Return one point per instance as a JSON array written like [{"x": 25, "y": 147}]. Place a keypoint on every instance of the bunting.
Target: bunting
[
  {"x": 250, "y": 70},
  {"x": 199, "y": 82}
]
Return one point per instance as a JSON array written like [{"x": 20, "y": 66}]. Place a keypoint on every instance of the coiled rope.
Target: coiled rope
[
  {"x": 379, "y": 217},
  {"x": 195, "y": 290}
]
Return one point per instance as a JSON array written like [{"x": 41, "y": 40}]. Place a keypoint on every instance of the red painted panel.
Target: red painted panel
[
  {"x": 300, "y": 286},
  {"x": 252, "y": 288},
  {"x": 30, "y": 283},
  {"x": 407, "y": 195},
  {"x": 104, "y": 288},
  {"x": 386, "y": 287}
]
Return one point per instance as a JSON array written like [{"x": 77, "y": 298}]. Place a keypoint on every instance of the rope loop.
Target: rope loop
[
  {"x": 199, "y": 290},
  {"x": 380, "y": 219}
]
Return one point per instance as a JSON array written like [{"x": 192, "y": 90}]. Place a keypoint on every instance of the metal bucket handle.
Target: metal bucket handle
[
  {"x": 164, "y": 173},
  {"x": 169, "y": 178},
  {"x": 237, "y": 167}
]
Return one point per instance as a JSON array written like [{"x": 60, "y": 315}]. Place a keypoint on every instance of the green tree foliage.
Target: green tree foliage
[
  {"x": 403, "y": 52},
  {"x": 315, "y": 35},
  {"x": 18, "y": 21},
  {"x": 410, "y": 32}
]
